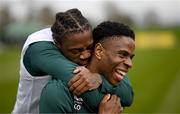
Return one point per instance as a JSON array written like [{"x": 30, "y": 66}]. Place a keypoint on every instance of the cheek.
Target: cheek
[
  {"x": 70, "y": 55},
  {"x": 73, "y": 56},
  {"x": 114, "y": 60}
]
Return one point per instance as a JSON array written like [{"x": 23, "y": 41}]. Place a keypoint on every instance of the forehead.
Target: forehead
[
  {"x": 81, "y": 39},
  {"x": 119, "y": 43}
]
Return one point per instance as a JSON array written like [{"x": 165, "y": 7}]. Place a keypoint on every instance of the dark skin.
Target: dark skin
[
  {"x": 112, "y": 59},
  {"x": 77, "y": 47},
  {"x": 115, "y": 58},
  {"x": 110, "y": 104},
  {"x": 84, "y": 80}
]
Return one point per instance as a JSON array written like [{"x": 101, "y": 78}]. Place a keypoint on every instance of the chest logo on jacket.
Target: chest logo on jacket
[{"x": 77, "y": 103}]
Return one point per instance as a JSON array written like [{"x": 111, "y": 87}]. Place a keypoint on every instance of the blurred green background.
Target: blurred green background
[{"x": 155, "y": 76}]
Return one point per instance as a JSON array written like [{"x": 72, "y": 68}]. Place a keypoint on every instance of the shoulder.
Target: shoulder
[
  {"x": 42, "y": 45},
  {"x": 56, "y": 87},
  {"x": 56, "y": 91},
  {"x": 56, "y": 98}
]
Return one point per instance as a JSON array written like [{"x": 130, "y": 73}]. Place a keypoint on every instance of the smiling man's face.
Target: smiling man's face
[{"x": 116, "y": 58}]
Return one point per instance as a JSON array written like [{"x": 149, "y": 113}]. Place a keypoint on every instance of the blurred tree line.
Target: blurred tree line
[{"x": 14, "y": 31}]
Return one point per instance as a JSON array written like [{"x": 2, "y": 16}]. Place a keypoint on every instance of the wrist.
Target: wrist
[{"x": 99, "y": 79}]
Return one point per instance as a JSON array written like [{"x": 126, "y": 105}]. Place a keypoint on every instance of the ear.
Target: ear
[{"x": 98, "y": 51}]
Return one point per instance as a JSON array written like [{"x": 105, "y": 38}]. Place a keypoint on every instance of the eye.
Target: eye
[
  {"x": 76, "y": 51},
  {"x": 132, "y": 56},
  {"x": 122, "y": 54}
]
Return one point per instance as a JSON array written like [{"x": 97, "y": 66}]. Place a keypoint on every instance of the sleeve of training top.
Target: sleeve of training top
[{"x": 46, "y": 58}]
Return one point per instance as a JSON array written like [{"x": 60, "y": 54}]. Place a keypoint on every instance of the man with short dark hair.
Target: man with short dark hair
[
  {"x": 112, "y": 58},
  {"x": 44, "y": 57}
]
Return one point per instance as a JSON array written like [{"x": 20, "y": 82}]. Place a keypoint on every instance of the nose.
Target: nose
[
  {"x": 85, "y": 54},
  {"x": 128, "y": 62}
]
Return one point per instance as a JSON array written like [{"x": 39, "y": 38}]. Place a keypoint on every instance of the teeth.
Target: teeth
[{"x": 121, "y": 72}]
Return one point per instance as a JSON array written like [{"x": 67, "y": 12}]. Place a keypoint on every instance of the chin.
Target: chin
[{"x": 114, "y": 83}]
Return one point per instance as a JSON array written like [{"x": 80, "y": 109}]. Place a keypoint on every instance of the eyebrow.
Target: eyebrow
[
  {"x": 126, "y": 52},
  {"x": 77, "y": 49}
]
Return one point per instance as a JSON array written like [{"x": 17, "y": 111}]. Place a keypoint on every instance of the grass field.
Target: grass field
[
  {"x": 155, "y": 79},
  {"x": 9, "y": 74}
]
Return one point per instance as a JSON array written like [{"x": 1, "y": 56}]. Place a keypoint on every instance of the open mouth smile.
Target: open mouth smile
[{"x": 119, "y": 74}]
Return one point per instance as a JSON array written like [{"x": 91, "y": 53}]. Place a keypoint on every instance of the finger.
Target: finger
[
  {"x": 106, "y": 98},
  {"x": 116, "y": 109},
  {"x": 74, "y": 85},
  {"x": 117, "y": 105},
  {"x": 77, "y": 69},
  {"x": 90, "y": 84},
  {"x": 119, "y": 101},
  {"x": 121, "y": 110},
  {"x": 114, "y": 101},
  {"x": 74, "y": 79},
  {"x": 81, "y": 88},
  {"x": 113, "y": 98},
  {"x": 85, "y": 87}
]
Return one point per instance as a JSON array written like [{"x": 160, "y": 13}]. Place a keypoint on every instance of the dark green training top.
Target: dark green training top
[{"x": 44, "y": 58}]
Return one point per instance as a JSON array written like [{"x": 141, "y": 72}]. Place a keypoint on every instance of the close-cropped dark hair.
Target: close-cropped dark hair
[
  {"x": 109, "y": 29},
  {"x": 69, "y": 22}
]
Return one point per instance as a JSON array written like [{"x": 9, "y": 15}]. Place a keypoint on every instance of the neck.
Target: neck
[{"x": 93, "y": 65}]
